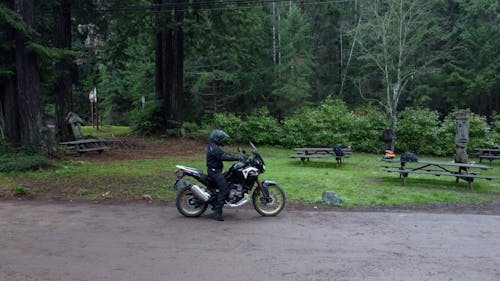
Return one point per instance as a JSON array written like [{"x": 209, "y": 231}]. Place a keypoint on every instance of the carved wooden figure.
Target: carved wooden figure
[{"x": 462, "y": 136}]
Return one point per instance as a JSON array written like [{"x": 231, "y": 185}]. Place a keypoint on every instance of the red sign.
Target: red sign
[{"x": 91, "y": 96}]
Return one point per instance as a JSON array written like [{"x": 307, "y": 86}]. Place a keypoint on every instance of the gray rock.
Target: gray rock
[{"x": 331, "y": 198}]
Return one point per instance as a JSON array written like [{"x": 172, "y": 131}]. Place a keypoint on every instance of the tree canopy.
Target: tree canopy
[{"x": 157, "y": 64}]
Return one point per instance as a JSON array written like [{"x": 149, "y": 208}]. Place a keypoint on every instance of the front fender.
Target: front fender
[{"x": 265, "y": 186}]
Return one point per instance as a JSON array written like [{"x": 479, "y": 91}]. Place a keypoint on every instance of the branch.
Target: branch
[
  {"x": 344, "y": 76},
  {"x": 371, "y": 99}
]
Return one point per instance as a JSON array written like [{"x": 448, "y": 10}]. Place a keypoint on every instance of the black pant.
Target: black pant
[{"x": 217, "y": 177}]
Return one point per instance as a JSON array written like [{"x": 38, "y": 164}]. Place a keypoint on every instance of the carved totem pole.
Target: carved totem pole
[{"x": 462, "y": 136}]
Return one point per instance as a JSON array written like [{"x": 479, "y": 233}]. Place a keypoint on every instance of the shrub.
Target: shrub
[
  {"x": 21, "y": 191},
  {"x": 479, "y": 132},
  {"x": 367, "y": 128},
  {"x": 294, "y": 133},
  {"x": 326, "y": 125},
  {"x": 22, "y": 162},
  {"x": 227, "y": 122},
  {"x": 495, "y": 131},
  {"x": 149, "y": 120},
  {"x": 334, "y": 123},
  {"x": 4, "y": 147},
  {"x": 261, "y": 128},
  {"x": 419, "y": 131}
]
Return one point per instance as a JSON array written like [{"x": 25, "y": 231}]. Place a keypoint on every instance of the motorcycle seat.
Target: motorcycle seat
[{"x": 196, "y": 173}]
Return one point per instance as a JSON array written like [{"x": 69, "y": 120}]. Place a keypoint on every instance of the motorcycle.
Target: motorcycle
[{"x": 268, "y": 197}]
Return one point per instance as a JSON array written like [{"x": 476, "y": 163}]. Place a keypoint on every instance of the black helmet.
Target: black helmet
[{"x": 218, "y": 136}]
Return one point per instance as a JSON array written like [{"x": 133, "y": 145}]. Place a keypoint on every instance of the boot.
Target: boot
[
  {"x": 218, "y": 217},
  {"x": 218, "y": 214}
]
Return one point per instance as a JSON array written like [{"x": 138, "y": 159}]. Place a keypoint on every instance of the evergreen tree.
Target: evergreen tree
[
  {"x": 228, "y": 63},
  {"x": 293, "y": 74},
  {"x": 329, "y": 25}
]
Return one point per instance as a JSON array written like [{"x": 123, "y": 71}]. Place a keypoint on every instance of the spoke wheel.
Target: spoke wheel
[
  {"x": 188, "y": 205},
  {"x": 271, "y": 206}
]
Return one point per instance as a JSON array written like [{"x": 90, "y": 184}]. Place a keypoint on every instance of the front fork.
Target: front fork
[{"x": 262, "y": 186}]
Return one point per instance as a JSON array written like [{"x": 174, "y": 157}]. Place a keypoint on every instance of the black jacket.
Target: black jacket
[{"x": 215, "y": 156}]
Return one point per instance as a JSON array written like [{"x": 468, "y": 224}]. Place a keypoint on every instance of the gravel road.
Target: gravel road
[{"x": 86, "y": 241}]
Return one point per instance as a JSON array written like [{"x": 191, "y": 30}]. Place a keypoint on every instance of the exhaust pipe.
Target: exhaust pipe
[
  {"x": 239, "y": 203},
  {"x": 200, "y": 193}
]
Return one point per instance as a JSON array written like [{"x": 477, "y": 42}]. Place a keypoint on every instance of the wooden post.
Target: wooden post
[
  {"x": 97, "y": 115},
  {"x": 92, "y": 113}
]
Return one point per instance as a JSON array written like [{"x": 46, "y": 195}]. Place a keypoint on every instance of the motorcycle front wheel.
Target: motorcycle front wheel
[
  {"x": 188, "y": 204},
  {"x": 272, "y": 205}
]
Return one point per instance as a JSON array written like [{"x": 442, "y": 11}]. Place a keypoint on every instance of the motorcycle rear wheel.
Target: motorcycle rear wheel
[
  {"x": 188, "y": 204},
  {"x": 274, "y": 206}
]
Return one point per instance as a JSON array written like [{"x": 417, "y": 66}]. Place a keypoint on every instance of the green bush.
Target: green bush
[
  {"x": 294, "y": 133},
  {"x": 333, "y": 123},
  {"x": 367, "y": 128},
  {"x": 326, "y": 125},
  {"x": 479, "y": 132},
  {"x": 419, "y": 131},
  {"x": 4, "y": 147},
  {"x": 148, "y": 120},
  {"x": 495, "y": 131},
  {"x": 21, "y": 191},
  {"x": 230, "y": 124},
  {"x": 195, "y": 132},
  {"x": 22, "y": 162},
  {"x": 261, "y": 128}
]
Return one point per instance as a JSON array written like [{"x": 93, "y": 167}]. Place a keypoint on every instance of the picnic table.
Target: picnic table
[
  {"x": 306, "y": 153},
  {"x": 463, "y": 171},
  {"x": 86, "y": 145},
  {"x": 488, "y": 154}
]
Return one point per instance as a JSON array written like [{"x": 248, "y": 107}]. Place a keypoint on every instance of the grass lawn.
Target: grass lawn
[
  {"x": 106, "y": 132},
  {"x": 359, "y": 181}
]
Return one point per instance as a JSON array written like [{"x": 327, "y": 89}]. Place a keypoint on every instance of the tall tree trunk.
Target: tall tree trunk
[
  {"x": 28, "y": 84},
  {"x": 11, "y": 112},
  {"x": 8, "y": 96},
  {"x": 178, "y": 67},
  {"x": 62, "y": 41},
  {"x": 2, "y": 124},
  {"x": 169, "y": 64}
]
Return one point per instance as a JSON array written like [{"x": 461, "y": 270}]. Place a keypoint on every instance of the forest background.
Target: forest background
[{"x": 290, "y": 73}]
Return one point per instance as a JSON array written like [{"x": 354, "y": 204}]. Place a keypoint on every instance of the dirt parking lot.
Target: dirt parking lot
[{"x": 88, "y": 241}]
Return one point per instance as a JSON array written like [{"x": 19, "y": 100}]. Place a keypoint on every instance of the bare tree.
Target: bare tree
[{"x": 400, "y": 38}]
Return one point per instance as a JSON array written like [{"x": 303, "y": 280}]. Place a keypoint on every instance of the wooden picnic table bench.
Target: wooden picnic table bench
[
  {"x": 488, "y": 154},
  {"x": 437, "y": 169},
  {"x": 306, "y": 153},
  {"x": 86, "y": 145}
]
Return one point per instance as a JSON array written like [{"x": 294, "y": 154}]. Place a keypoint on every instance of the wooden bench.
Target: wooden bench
[
  {"x": 488, "y": 154},
  {"x": 488, "y": 157},
  {"x": 320, "y": 152},
  {"x": 87, "y": 145},
  {"x": 437, "y": 169}
]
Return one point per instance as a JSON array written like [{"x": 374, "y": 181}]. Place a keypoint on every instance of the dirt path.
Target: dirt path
[{"x": 84, "y": 241}]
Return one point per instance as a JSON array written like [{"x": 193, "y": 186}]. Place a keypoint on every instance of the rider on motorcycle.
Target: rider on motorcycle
[{"x": 215, "y": 157}]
